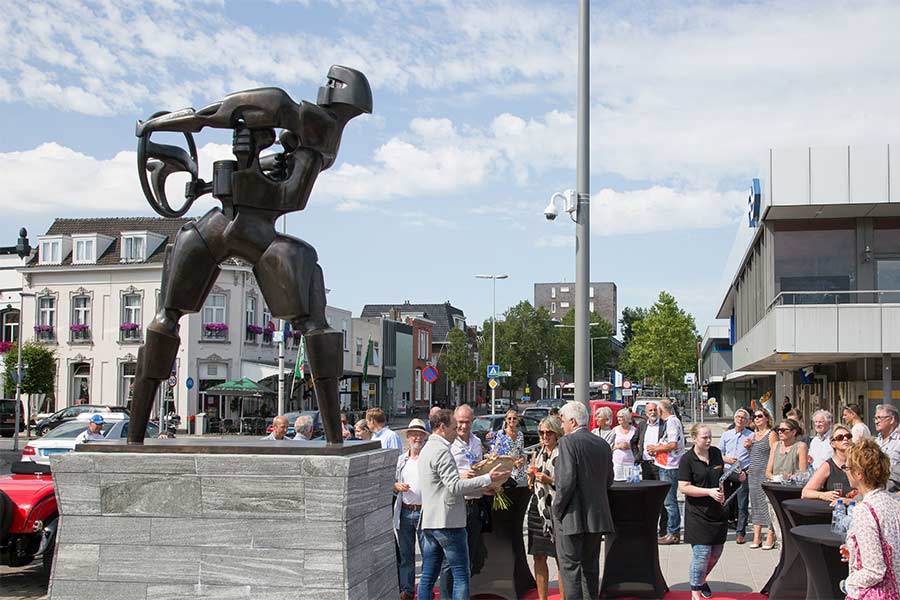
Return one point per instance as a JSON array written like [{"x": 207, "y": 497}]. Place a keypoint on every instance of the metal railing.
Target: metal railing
[{"x": 834, "y": 297}]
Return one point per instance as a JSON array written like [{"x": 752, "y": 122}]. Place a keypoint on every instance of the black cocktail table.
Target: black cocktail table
[
  {"x": 788, "y": 580},
  {"x": 506, "y": 573},
  {"x": 824, "y": 569},
  {"x": 631, "y": 557},
  {"x": 808, "y": 511}
]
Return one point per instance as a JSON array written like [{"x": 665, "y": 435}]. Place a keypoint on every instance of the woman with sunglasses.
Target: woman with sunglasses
[
  {"x": 785, "y": 459},
  {"x": 540, "y": 520},
  {"x": 830, "y": 482},
  {"x": 510, "y": 441},
  {"x": 760, "y": 445}
]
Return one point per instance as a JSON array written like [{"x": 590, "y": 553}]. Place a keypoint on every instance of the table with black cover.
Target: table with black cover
[
  {"x": 819, "y": 548},
  {"x": 788, "y": 580},
  {"x": 807, "y": 511},
  {"x": 631, "y": 558},
  {"x": 505, "y": 572}
]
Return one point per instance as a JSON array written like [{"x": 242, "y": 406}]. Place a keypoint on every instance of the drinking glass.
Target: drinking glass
[{"x": 839, "y": 488}]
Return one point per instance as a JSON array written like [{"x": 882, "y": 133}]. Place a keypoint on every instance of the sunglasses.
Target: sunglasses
[
  {"x": 880, "y": 418},
  {"x": 512, "y": 418},
  {"x": 546, "y": 433},
  {"x": 840, "y": 437},
  {"x": 784, "y": 429},
  {"x": 759, "y": 416}
]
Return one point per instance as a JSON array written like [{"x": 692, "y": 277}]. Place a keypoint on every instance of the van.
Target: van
[{"x": 8, "y": 417}]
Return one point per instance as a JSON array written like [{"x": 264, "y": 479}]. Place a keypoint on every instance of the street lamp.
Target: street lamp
[
  {"x": 20, "y": 367},
  {"x": 494, "y": 279}
]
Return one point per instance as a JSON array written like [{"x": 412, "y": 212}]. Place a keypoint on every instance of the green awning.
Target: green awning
[{"x": 239, "y": 387}]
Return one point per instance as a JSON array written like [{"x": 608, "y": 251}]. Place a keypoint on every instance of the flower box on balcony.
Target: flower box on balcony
[
  {"x": 254, "y": 329},
  {"x": 78, "y": 327},
  {"x": 128, "y": 326},
  {"x": 43, "y": 328},
  {"x": 217, "y": 327}
]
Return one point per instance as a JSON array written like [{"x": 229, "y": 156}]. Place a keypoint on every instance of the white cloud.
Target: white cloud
[{"x": 555, "y": 241}]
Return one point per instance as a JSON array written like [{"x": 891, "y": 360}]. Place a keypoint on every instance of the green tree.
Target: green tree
[
  {"x": 40, "y": 369},
  {"x": 631, "y": 316},
  {"x": 664, "y": 345},
  {"x": 525, "y": 341},
  {"x": 565, "y": 344},
  {"x": 458, "y": 362}
]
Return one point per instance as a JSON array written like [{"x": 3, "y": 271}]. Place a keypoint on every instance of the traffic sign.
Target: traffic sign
[
  {"x": 505, "y": 374},
  {"x": 542, "y": 383},
  {"x": 627, "y": 392},
  {"x": 493, "y": 371},
  {"x": 606, "y": 387},
  {"x": 493, "y": 383},
  {"x": 189, "y": 382},
  {"x": 626, "y": 385},
  {"x": 690, "y": 378},
  {"x": 172, "y": 381},
  {"x": 430, "y": 374}
]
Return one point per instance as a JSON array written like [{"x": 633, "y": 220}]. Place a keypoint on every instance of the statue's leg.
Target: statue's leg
[
  {"x": 189, "y": 273},
  {"x": 294, "y": 288}
]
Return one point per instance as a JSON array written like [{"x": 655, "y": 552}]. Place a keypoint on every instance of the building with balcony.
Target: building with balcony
[{"x": 816, "y": 296}]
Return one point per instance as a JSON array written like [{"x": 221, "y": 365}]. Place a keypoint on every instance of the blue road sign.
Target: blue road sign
[
  {"x": 430, "y": 374},
  {"x": 189, "y": 382},
  {"x": 493, "y": 371}
]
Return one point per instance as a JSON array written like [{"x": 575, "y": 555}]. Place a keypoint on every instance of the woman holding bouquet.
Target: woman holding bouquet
[
  {"x": 509, "y": 441},
  {"x": 540, "y": 521}
]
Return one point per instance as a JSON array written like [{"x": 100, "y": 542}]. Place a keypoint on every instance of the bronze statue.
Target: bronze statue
[{"x": 254, "y": 191}]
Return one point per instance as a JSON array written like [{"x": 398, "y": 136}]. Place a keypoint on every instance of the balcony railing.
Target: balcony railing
[{"x": 835, "y": 297}]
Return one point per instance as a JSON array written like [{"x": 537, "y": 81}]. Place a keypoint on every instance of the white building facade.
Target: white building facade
[{"x": 816, "y": 298}]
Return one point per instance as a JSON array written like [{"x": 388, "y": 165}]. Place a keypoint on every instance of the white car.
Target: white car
[{"x": 62, "y": 439}]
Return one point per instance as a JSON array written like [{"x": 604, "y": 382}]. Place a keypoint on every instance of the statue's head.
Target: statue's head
[{"x": 346, "y": 86}]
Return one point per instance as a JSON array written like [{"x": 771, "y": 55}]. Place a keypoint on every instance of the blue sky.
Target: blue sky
[{"x": 473, "y": 128}]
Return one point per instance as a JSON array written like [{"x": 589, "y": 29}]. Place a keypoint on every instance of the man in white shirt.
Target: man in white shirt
[
  {"x": 820, "y": 448},
  {"x": 377, "y": 423},
  {"x": 279, "y": 429},
  {"x": 467, "y": 451},
  {"x": 408, "y": 507},
  {"x": 666, "y": 457},
  {"x": 93, "y": 431},
  {"x": 888, "y": 439},
  {"x": 443, "y": 521},
  {"x": 650, "y": 431}
]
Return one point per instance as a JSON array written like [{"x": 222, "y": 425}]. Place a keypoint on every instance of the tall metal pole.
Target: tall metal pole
[
  {"x": 281, "y": 346},
  {"x": 583, "y": 223},
  {"x": 493, "y": 338},
  {"x": 19, "y": 370}
]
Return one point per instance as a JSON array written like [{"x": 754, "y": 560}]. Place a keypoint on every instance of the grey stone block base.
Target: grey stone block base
[{"x": 255, "y": 527}]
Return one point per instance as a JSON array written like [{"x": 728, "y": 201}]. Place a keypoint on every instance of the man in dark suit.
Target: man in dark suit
[{"x": 581, "y": 506}]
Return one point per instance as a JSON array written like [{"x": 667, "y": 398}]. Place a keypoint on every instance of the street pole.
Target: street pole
[
  {"x": 281, "y": 346},
  {"x": 494, "y": 279},
  {"x": 583, "y": 216},
  {"x": 19, "y": 370}
]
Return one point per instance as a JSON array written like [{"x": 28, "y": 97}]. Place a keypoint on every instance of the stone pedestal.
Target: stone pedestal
[{"x": 173, "y": 522}]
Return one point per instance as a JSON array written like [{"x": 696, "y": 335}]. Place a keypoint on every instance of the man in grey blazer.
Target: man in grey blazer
[
  {"x": 581, "y": 506},
  {"x": 443, "y": 521}
]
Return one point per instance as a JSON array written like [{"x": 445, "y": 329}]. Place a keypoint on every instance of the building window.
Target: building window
[
  {"x": 564, "y": 305},
  {"x": 553, "y": 292},
  {"x": 46, "y": 324},
  {"x": 426, "y": 389},
  {"x": 268, "y": 325},
  {"x": 126, "y": 382},
  {"x": 215, "y": 326},
  {"x": 84, "y": 251},
  {"x": 250, "y": 315},
  {"x": 591, "y": 292},
  {"x": 359, "y": 352},
  {"x": 553, "y": 308},
  {"x": 10, "y": 331},
  {"x": 130, "y": 327},
  {"x": 423, "y": 345},
  {"x": 50, "y": 252},
  {"x": 418, "y": 398},
  {"x": 375, "y": 354},
  {"x": 81, "y": 319},
  {"x": 591, "y": 306},
  {"x": 133, "y": 248},
  {"x": 564, "y": 290},
  {"x": 346, "y": 335},
  {"x": 813, "y": 257},
  {"x": 81, "y": 384}
]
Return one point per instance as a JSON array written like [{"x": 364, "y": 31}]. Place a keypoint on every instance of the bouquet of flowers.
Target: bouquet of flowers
[{"x": 501, "y": 500}]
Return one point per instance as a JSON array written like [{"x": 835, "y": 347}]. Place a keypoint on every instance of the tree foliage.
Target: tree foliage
[
  {"x": 565, "y": 344},
  {"x": 664, "y": 344},
  {"x": 525, "y": 341},
  {"x": 40, "y": 372},
  {"x": 631, "y": 316},
  {"x": 458, "y": 361}
]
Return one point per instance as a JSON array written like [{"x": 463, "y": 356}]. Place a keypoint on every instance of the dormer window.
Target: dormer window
[
  {"x": 50, "y": 252},
  {"x": 84, "y": 251},
  {"x": 86, "y": 248},
  {"x": 133, "y": 248},
  {"x": 53, "y": 249}
]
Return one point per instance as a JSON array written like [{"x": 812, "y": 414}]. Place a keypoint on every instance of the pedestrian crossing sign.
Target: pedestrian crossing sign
[{"x": 493, "y": 371}]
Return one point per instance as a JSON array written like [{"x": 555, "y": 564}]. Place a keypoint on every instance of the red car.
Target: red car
[
  {"x": 615, "y": 407},
  {"x": 28, "y": 515}
]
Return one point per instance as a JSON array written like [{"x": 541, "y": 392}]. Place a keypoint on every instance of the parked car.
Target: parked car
[
  {"x": 548, "y": 403},
  {"x": 48, "y": 424},
  {"x": 28, "y": 516},
  {"x": 62, "y": 439},
  {"x": 504, "y": 404},
  {"x": 537, "y": 412},
  {"x": 639, "y": 407},
  {"x": 615, "y": 407},
  {"x": 487, "y": 426},
  {"x": 8, "y": 417},
  {"x": 318, "y": 430}
]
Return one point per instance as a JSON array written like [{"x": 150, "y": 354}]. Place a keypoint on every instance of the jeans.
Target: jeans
[
  {"x": 702, "y": 562},
  {"x": 406, "y": 539},
  {"x": 476, "y": 551},
  {"x": 671, "y": 502},
  {"x": 650, "y": 472},
  {"x": 440, "y": 543},
  {"x": 743, "y": 506}
]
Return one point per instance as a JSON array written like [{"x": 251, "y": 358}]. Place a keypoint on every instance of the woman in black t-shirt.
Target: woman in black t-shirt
[{"x": 705, "y": 523}]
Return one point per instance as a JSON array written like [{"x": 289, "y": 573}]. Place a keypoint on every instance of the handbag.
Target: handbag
[{"x": 886, "y": 589}]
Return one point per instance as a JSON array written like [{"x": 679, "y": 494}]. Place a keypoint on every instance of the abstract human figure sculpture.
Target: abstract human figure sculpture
[{"x": 254, "y": 191}]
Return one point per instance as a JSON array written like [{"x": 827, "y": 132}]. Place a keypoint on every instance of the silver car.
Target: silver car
[{"x": 62, "y": 439}]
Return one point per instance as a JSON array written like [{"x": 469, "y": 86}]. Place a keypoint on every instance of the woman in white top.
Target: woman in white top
[
  {"x": 624, "y": 445},
  {"x": 603, "y": 418},
  {"x": 852, "y": 416},
  {"x": 873, "y": 539}
]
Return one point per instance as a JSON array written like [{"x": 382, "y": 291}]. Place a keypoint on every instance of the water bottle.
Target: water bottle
[
  {"x": 849, "y": 518},
  {"x": 638, "y": 475},
  {"x": 837, "y": 518}
]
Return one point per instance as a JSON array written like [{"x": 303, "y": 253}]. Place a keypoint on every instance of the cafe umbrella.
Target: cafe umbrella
[{"x": 242, "y": 388}]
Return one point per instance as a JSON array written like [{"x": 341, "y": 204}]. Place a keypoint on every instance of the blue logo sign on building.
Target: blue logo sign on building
[
  {"x": 754, "y": 203},
  {"x": 189, "y": 382}
]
